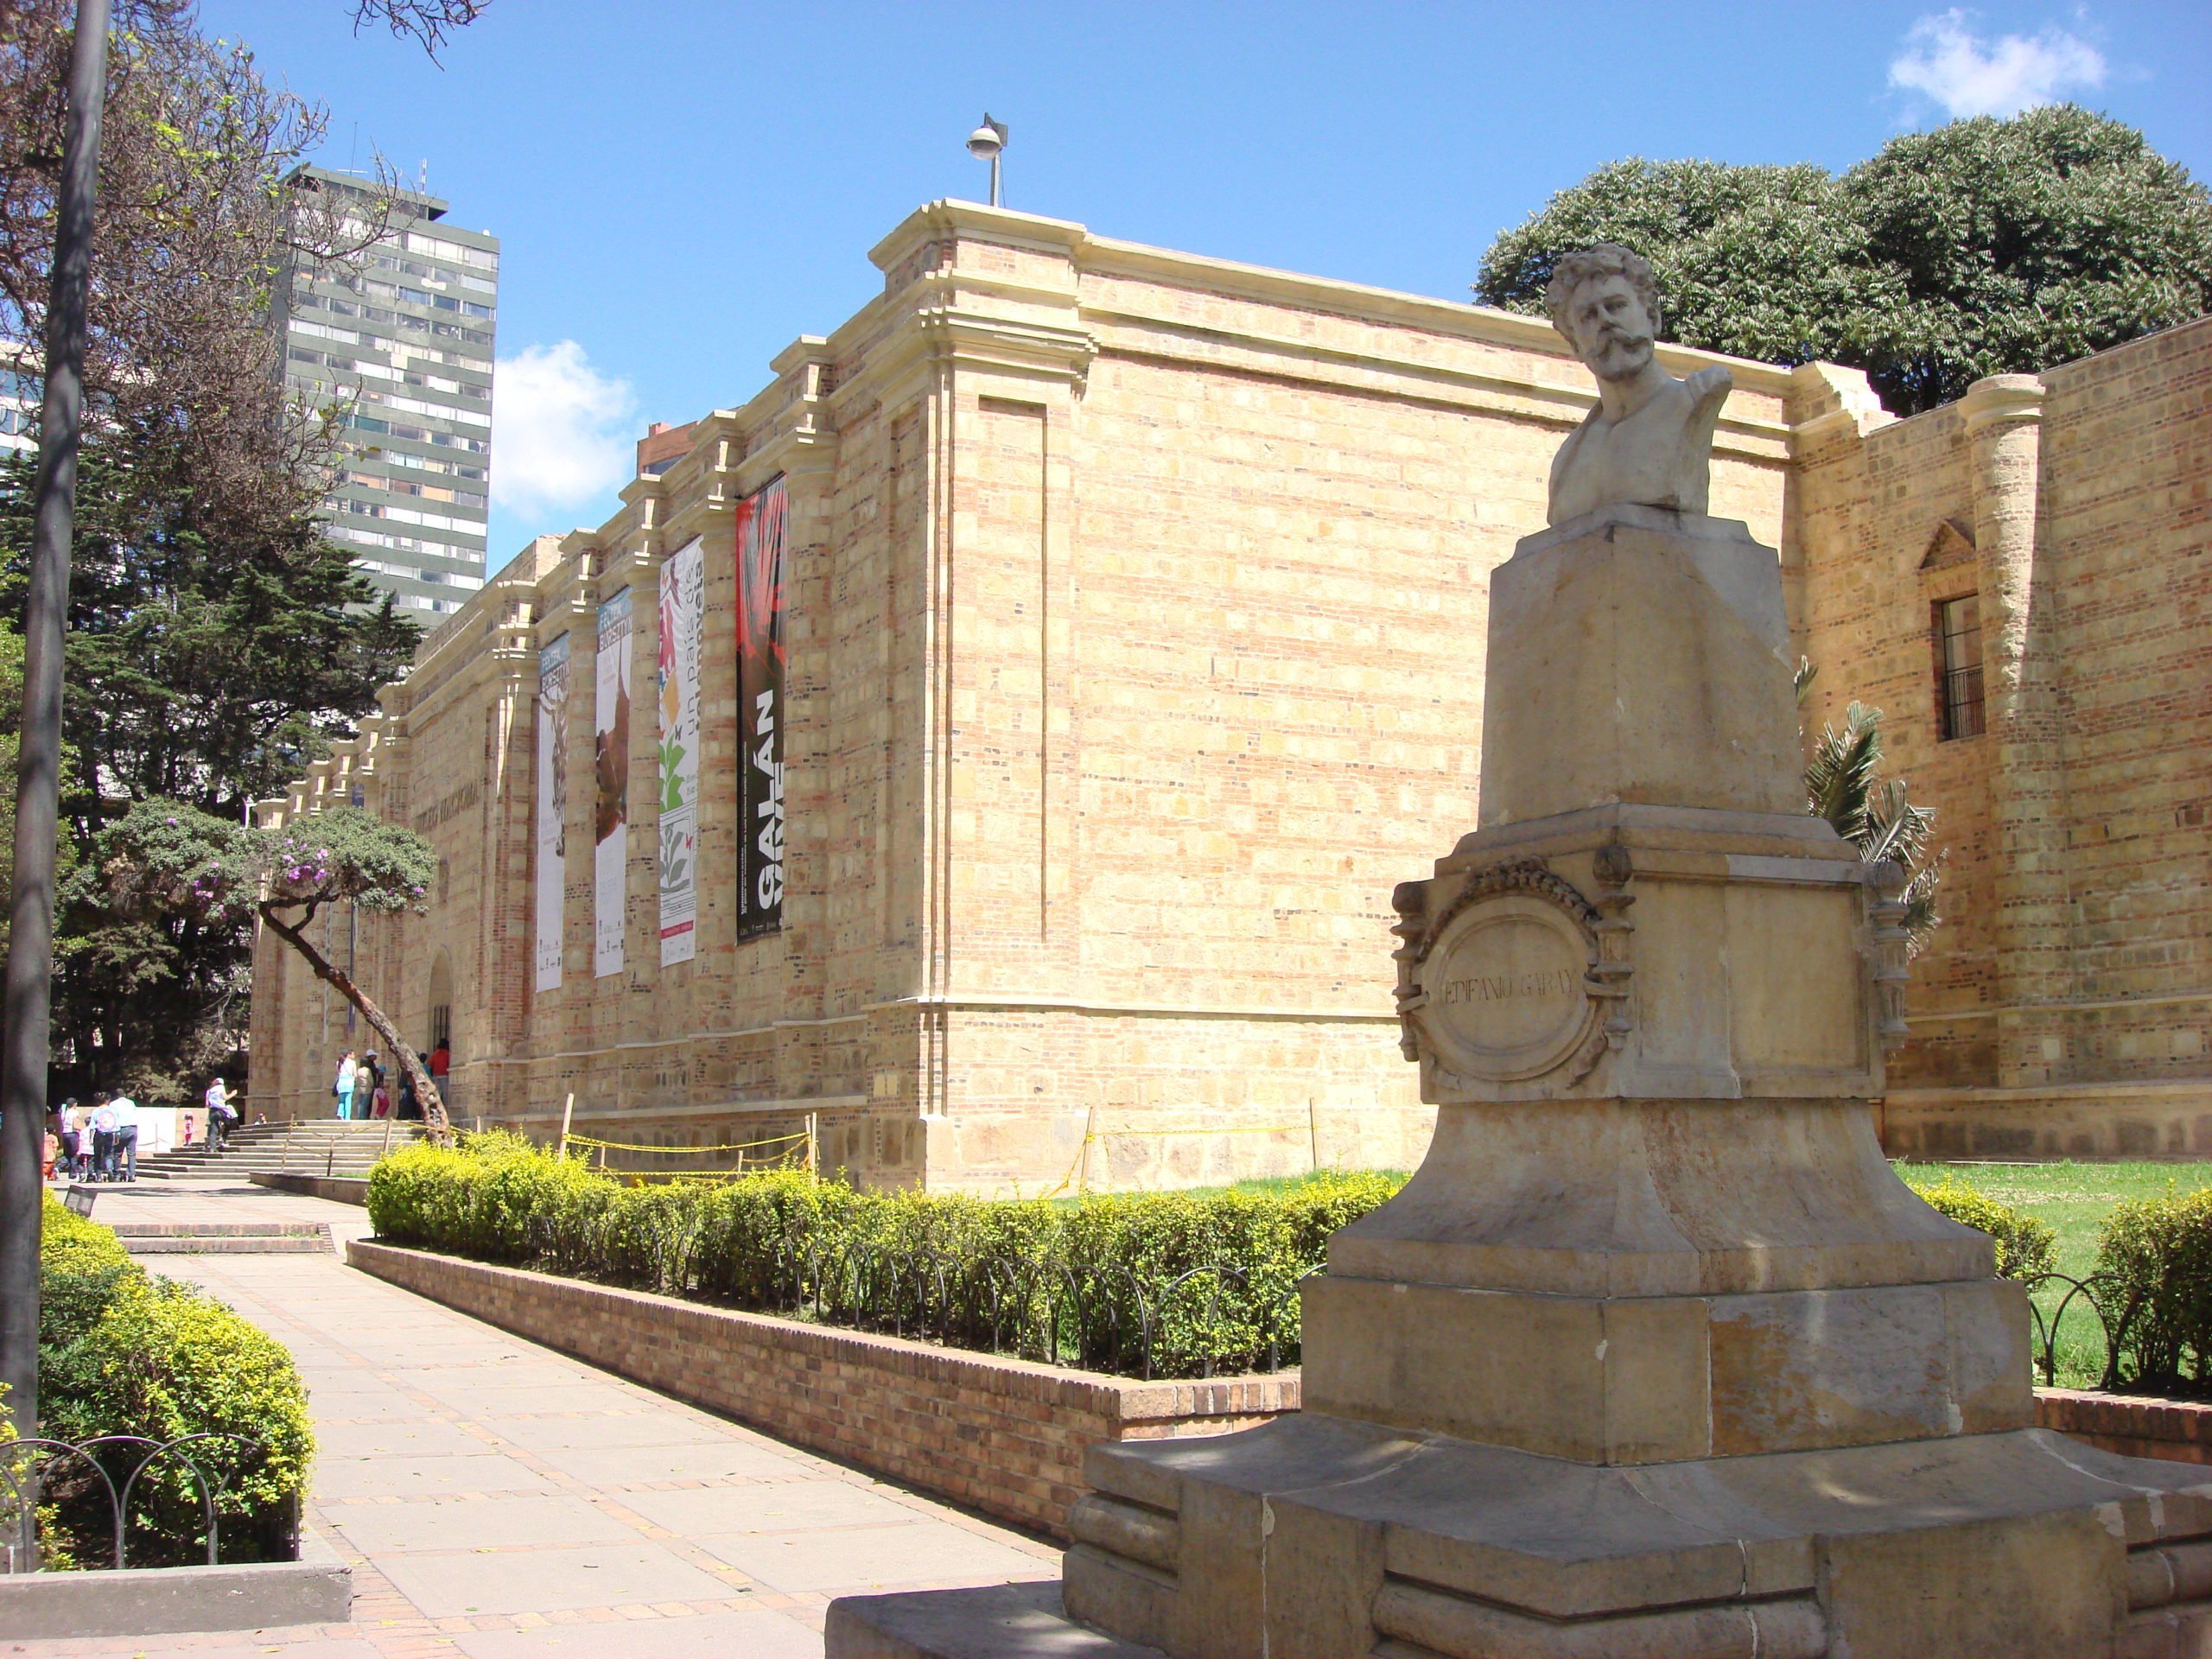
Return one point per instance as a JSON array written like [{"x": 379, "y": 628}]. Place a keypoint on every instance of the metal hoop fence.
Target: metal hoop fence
[{"x": 23, "y": 1463}]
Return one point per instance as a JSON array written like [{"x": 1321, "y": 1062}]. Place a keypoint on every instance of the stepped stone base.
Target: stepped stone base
[
  {"x": 1321, "y": 1538},
  {"x": 272, "y": 1244},
  {"x": 1000, "y": 1621},
  {"x": 1654, "y": 1357}
]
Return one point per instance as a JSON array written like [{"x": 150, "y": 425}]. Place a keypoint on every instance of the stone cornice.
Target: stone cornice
[
  {"x": 695, "y": 520},
  {"x": 1110, "y": 256},
  {"x": 1004, "y": 345},
  {"x": 948, "y": 217},
  {"x": 2005, "y": 398},
  {"x": 1855, "y": 411}
]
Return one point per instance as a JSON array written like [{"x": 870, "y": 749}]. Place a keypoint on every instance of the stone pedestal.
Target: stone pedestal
[{"x": 1654, "y": 1357}]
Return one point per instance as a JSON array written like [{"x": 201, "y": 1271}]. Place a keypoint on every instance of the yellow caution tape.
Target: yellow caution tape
[{"x": 628, "y": 1146}]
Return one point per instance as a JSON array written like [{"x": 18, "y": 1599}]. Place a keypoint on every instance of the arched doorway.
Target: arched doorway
[
  {"x": 438, "y": 1037},
  {"x": 440, "y": 1026}
]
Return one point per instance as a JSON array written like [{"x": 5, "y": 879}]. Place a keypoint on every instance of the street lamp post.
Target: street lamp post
[
  {"x": 985, "y": 144},
  {"x": 29, "y": 984}
]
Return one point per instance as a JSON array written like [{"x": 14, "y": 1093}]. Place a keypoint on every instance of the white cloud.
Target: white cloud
[
  {"x": 1968, "y": 74},
  {"x": 561, "y": 431}
]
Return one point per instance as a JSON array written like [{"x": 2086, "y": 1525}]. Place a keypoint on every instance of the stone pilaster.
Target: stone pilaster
[
  {"x": 2004, "y": 423},
  {"x": 804, "y": 449},
  {"x": 493, "y": 1023},
  {"x": 639, "y": 569}
]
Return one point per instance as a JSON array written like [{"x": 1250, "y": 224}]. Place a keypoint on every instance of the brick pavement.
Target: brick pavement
[{"x": 500, "y": 1500}]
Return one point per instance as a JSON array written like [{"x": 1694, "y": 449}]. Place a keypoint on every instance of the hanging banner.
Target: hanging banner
[
  {"x": 682, "y": 609},
  {"x": 610, "y": 840},
  {"x": 552, "y": 807},
  {"x": 760, "y": 711}
]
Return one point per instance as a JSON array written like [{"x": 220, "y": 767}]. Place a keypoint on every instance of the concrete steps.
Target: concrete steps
[
  {"x": 325, "y": 1147},
  {"x": 223, "y": 1237}
]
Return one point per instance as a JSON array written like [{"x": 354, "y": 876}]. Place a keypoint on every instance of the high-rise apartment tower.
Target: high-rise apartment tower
[{"x": 402, "y": 339}]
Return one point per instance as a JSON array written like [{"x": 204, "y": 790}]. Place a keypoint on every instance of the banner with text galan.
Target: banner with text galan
[{"x": 760, "y": 712}]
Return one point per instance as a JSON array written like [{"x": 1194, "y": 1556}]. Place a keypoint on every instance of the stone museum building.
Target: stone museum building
[{"x": 997, "y": 742}]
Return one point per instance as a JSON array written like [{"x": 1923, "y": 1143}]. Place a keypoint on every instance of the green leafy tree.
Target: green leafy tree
[
  {"x": 166, "y": 864},
  {"x": 217, "y": 640},
  {"x": 2023, "y": 243},
  {"x": 1757, "y": 262},
  {"x": 1985, "y": 246},
  {"x": 205, "y": 661},
  {"x": 209, "y": 657}
]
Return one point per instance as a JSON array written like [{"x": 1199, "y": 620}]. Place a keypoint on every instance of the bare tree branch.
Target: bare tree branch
[
  {"x": 196, "y": 230},
  {"x": 427, "y": 21}
]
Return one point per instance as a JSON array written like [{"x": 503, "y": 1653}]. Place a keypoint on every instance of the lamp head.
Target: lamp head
[{"x": 988, "y": 140}]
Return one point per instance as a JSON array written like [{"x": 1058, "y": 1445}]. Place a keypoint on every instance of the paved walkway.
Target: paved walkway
[{"x": 500, "y": 1500}]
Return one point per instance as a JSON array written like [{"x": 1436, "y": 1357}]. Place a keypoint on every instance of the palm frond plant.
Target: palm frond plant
[{"x": 1844, "y": 785}]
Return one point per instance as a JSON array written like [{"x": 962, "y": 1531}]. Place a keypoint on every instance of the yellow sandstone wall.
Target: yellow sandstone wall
[
  {"x": 1136, "y": 605},
  {"x": 2064, "y": 1005}
]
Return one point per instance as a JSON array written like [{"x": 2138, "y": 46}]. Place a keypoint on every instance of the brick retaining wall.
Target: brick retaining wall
[
  {"x": 1005, "y": 1436},
  {"x": 2179, "y": 1431},
  {"x": 338, "y": 1189}
]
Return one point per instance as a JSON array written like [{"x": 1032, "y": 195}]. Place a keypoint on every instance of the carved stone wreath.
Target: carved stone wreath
[
  {"x": 1515, "y": 875},
  {"x": 1516, "y": 977}
]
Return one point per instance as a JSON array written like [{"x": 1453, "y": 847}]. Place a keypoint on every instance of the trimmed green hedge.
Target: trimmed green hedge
[
  {"x": 1161, "y": 1285},
  {"x": 122, "y": 1352},
  {"x": 2026, "y": 1247},
  {"x": 2156, "y": 1257}
]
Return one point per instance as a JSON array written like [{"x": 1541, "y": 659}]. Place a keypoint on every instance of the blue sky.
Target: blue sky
[{"x": 682, "y": 187}]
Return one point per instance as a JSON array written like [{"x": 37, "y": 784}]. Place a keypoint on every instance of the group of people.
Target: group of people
[
  {"x": 96, "y": 1143},
  {"x": 364, "y": 1092},
  {"x": 100, "y": 1143}
]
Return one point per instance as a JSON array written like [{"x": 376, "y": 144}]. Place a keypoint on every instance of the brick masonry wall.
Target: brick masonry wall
[
  {"x": 1004, "y": 1436},
  {"x": 2110, "y": 1053},
  {"x": 2178, "y": 1431}
]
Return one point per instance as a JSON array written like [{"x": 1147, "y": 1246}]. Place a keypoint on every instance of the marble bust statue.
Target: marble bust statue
[{"x": 1649, "y": 442}]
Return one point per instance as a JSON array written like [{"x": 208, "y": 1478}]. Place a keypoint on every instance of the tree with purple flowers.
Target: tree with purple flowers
[{"x": 166, "y": 863}]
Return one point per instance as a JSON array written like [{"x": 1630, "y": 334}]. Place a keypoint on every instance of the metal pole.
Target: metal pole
[
  {"x": 30, "y": 955},
  {"x": 995, "y": 181}
]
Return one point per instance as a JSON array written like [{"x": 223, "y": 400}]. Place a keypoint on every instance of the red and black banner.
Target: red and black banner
[{"x": 760, "y": 711}]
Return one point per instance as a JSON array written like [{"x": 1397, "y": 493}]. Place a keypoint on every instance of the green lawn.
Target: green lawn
[{"x": 2073, "y": 1199}]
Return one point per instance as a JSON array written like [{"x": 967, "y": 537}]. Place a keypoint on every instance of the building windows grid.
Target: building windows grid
[
  {"x": 400, "y": 346},
  {"x": 1957, "y": 640}
]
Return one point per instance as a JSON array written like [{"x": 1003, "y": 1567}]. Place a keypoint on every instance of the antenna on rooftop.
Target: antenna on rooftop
[{"x": 985, "y": 144}]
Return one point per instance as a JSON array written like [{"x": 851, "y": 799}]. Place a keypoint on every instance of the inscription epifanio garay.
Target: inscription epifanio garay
[
  {"x": 1502, "y": 984},
  {"x": 1498, "y": 987}
]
